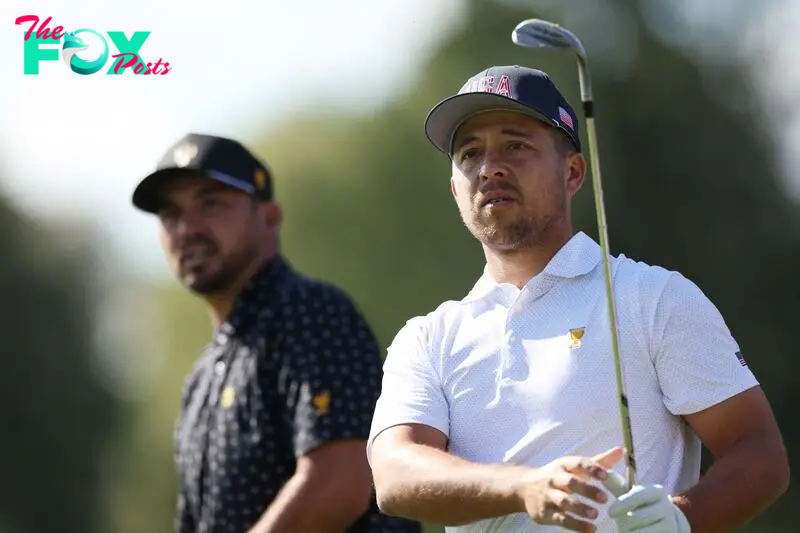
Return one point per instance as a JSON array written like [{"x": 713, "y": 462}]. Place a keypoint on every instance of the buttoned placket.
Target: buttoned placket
[
  {"x": 219, "y": 374},
  {"x": 222, "y": 364},
  {"x": 516, "y": 302}
]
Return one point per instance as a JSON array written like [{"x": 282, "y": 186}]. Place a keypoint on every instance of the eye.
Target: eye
[
  {"x": 469, "y": 153},
  {"x": 516, "y": 145},
  {"x": 168, "y": 215},
  {"x": 212, "y": 204}
]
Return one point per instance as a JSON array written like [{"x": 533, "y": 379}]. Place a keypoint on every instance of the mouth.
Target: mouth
[
  {"x": 497, "y": 198},
  {"x": 193, "y": 257}
]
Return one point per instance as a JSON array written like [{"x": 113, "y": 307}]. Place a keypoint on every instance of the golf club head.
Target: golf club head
[
  {"x": 537, "y": 33},
  {"x": 543, "y": 34}
]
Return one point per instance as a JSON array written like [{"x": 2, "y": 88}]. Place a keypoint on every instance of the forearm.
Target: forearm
[
  {"x": 736, "y": 488},
  {"x": 426, "y": 484},
  {"x": 308, "y": 504}
]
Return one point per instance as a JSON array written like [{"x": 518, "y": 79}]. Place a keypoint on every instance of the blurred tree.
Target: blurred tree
[
  {"x": 140, "y": 475},
  {"x": 54, "y": 415}
]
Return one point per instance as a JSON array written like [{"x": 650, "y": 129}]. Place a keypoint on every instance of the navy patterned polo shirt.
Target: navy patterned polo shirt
[{"x": 295, "y": 366}]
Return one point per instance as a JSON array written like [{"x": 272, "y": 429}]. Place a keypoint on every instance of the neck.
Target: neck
[
  {"x": 220, "y": 304},
  {"x": 519, "y": 266}
]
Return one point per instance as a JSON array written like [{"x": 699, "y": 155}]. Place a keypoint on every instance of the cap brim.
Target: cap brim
[
  {"x": 147, "y": 195},
  {"x": 445, "y": 118}
]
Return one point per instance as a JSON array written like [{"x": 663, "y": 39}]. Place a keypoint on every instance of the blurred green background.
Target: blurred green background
[{"x": 692, "y": 182}]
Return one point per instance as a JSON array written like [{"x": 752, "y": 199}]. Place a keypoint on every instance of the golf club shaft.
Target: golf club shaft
[
  {"x": 537, "y": 33},
  {"x": 594, "y": 156}
]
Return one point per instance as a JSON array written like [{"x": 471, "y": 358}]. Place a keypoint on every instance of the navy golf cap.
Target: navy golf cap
[
  {"x": 217, "y": 158},
  {"x": 512, "y": 88}
]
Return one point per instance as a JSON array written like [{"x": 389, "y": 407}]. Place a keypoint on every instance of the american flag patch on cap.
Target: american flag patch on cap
[
  {"x": 565, "y": 118},
  {"x": 740, "y": 357}
]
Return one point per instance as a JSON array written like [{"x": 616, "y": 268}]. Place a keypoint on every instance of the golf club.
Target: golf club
[{"x": 537, "y": 33}]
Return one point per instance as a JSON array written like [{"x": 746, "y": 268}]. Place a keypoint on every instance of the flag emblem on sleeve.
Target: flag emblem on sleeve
[{"x": 740, "y": 357}]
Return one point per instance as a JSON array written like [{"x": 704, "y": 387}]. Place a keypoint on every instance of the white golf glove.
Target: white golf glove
[{"x": 645, "y": 509}]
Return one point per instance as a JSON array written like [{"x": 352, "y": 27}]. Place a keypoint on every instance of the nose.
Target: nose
[
  {"x": 188, "y": 224},
  {"x": 492, "y": 167}
]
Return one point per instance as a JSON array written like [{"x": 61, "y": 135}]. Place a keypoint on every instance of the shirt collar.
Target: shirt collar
[
  {"x": 579, "y": 256},
  {"x": 257, "y": 294}
]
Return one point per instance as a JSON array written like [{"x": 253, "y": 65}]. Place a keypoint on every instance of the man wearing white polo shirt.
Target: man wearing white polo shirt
[{"x": 499, "y": 412}]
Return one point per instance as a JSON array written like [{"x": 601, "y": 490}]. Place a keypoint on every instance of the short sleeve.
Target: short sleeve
[
  {"x": 411, "y": 392},
  {"x": 331, "y": 375},
  {"x": 698, "y": 362}
]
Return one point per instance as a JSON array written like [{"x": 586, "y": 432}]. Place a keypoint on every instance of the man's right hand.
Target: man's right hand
[{"x": 549, "y": 494}]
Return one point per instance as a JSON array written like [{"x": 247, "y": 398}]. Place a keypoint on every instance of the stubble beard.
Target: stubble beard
[
  {"x": 522, "y": 232},
  {"x": 508, "y": 235},
  {"x": 223, "y": 278}
]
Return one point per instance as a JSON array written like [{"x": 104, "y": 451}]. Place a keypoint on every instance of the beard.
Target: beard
[
  {"x": 216, "y": 273},
  {"x": 521, "y": 232},
  {"x": 508, "y": 232}
]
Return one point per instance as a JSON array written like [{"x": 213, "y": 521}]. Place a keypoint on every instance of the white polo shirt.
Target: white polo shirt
[{"x": 527, "y": 376}]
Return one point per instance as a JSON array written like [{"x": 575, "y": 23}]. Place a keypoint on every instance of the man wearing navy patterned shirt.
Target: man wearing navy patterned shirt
[{"x": 276, "y": 412}]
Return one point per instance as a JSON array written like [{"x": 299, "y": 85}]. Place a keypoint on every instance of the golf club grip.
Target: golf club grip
[{"x": 627, "y": 434}]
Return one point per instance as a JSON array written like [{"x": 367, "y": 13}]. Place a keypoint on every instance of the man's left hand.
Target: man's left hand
[{"x": 648, "y": 509}]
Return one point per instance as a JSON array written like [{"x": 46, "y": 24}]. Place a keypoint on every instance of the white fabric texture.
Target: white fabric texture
[{"x": 527, "y": 376}]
